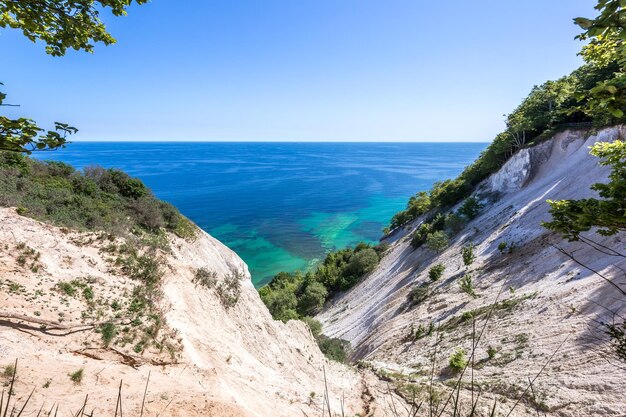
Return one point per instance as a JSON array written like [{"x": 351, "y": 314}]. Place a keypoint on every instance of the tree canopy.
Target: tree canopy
[{"x": 60, "y": 24}]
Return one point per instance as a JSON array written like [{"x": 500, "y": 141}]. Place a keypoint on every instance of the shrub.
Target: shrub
[
  {"x": 420, "y": 235},
  {"x": 467, "y": 286},
  {"x": 437, "y": 241},
  {"x": 108, "y": 331},
  {"x": 333, "y": 348},
  {"x": 502, "y": 247},
  {"x": 314, "y": 325},
  {"x": 229, "y": 289},
  {"x": 471, "y": 208},
  {"x": 294, "y": 295},
  {"x": 205, "y": 278},
  {"x": 454, "y": 223},
  {"x": 417, "y": 205},
  {"x": 360, "y": 263},
  {"x": 458, "y": 360},
  {"x": 491, "y": 352},
  {"x": 419, "y": 293},
  {"x": 88, "y": 293},
  {"x": 436, "y": 272},
  {"x": 423, "y": 331},
  {"x": 8, "y": 371},
  {"x": 312, "y": 298},
  {"x": 617, "y": 335},
  {"x": 468, "y": 254},
  {"x": 66, "y": 288},
  {"x": 77, "y": 377},
  {"x": 96, "y": 199}
]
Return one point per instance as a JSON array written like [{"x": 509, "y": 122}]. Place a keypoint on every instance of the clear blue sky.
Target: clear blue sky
[{"x": 297, "y": 70}]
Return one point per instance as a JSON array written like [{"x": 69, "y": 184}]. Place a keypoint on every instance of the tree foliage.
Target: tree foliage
[
  {"x": 295, "y": 295},
  {"x": 608, "y": 214},
  {"x": 60, "y": 24}
]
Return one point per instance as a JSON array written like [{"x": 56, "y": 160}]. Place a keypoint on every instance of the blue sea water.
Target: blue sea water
[{"x": 282, "y": 206}]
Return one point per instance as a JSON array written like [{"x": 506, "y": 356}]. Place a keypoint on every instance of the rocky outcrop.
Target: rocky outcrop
[{"x": 549, "y": 308}]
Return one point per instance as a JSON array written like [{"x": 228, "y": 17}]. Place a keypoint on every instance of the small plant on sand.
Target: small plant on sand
[
  {"x": 229, "y": 289},
  {"x": 108, "y": 332},
  {"x": 66, "y": 288},
  {"x": 205, "y": 278},
  {"x": 458, "y": 360},
  {"x": 436, "y": 272},
  {"x": 467, "y": 286},
  {"x": 502, "y": 247},
  {"x": 77, "y": 376},
  {"x": 419, "y": 293},
  {"x": 491, "y": 352},
  {"x": 468, "y": 254},
  {"x": 8, "y": 371}
]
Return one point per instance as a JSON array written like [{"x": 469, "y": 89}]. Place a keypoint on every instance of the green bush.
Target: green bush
[
  {"x": 95, "y": 199},
  {"x": 77, "y": 377},
  {"x": 295, "y": 295},
  {"x": 455, "y": 223},
  {"x": 108, "y": 331},
  {"x": 471, "y": 208},
  {"x": 436, "y": 272},
  {"x": 491, "y": 352},
  {"x": 437, "y": 241},
  {"x": 502, "y": 247},
  {"x": 205, "y": 278},
  {"x": 468, "y": 254},
  {"x": 229, "y": 290},
  {"x": 314, "y": 325},
  {"x": 420, "y": 235},
  {"x": 458, "y": 360},
  {"x": 66, "y": 288},
  {"x": 419, "y": 293},
  {"x": 333, "y": 348},
  {"x": 467, "y": 286},
  {"x": 312, "y": 298}
]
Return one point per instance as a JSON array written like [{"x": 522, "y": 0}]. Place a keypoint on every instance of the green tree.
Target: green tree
[
  {"x": 470, "y": 208},
  {"x": 312, "y": 298},
  {"x": 437, "y": 241},
  {"x": 436, "y": 272},
  {"x": 60, "y": 24},
  {"x": 468, "y": 254},
  {"x": 572, "y": 217},
  {"x": 606, "y": 34}
]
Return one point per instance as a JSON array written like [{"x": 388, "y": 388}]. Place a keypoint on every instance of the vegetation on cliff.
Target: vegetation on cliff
[
  {"x": 93, "y": 199},
  {"x": 593, "y": 95}
]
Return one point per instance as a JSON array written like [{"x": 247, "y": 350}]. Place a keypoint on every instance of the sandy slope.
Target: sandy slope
[
  {"x": 558, "y": 299},
  {"x": 234, "y": 361}
]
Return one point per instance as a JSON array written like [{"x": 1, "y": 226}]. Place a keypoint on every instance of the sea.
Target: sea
[{"x": 282, "y": 206}]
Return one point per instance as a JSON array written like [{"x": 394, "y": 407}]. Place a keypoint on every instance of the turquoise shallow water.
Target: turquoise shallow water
[{"x": 282, "y": 206}]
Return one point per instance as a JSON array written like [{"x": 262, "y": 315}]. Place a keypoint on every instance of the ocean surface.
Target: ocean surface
[{"x": 282, "y": 206}]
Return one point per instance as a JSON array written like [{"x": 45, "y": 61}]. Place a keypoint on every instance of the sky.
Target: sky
[{"x": 299, "y": 70}]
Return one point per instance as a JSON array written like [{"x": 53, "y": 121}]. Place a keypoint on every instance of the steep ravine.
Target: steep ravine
[{"x": 549, "y": 298}]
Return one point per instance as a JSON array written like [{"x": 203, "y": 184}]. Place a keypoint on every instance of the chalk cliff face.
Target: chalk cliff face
[
  {"x": 549, "y": 310},
  {"x": 223, "y": 360}
]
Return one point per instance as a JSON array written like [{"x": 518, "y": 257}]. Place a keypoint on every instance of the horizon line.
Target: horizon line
[{"x": 270, "y": 141}]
